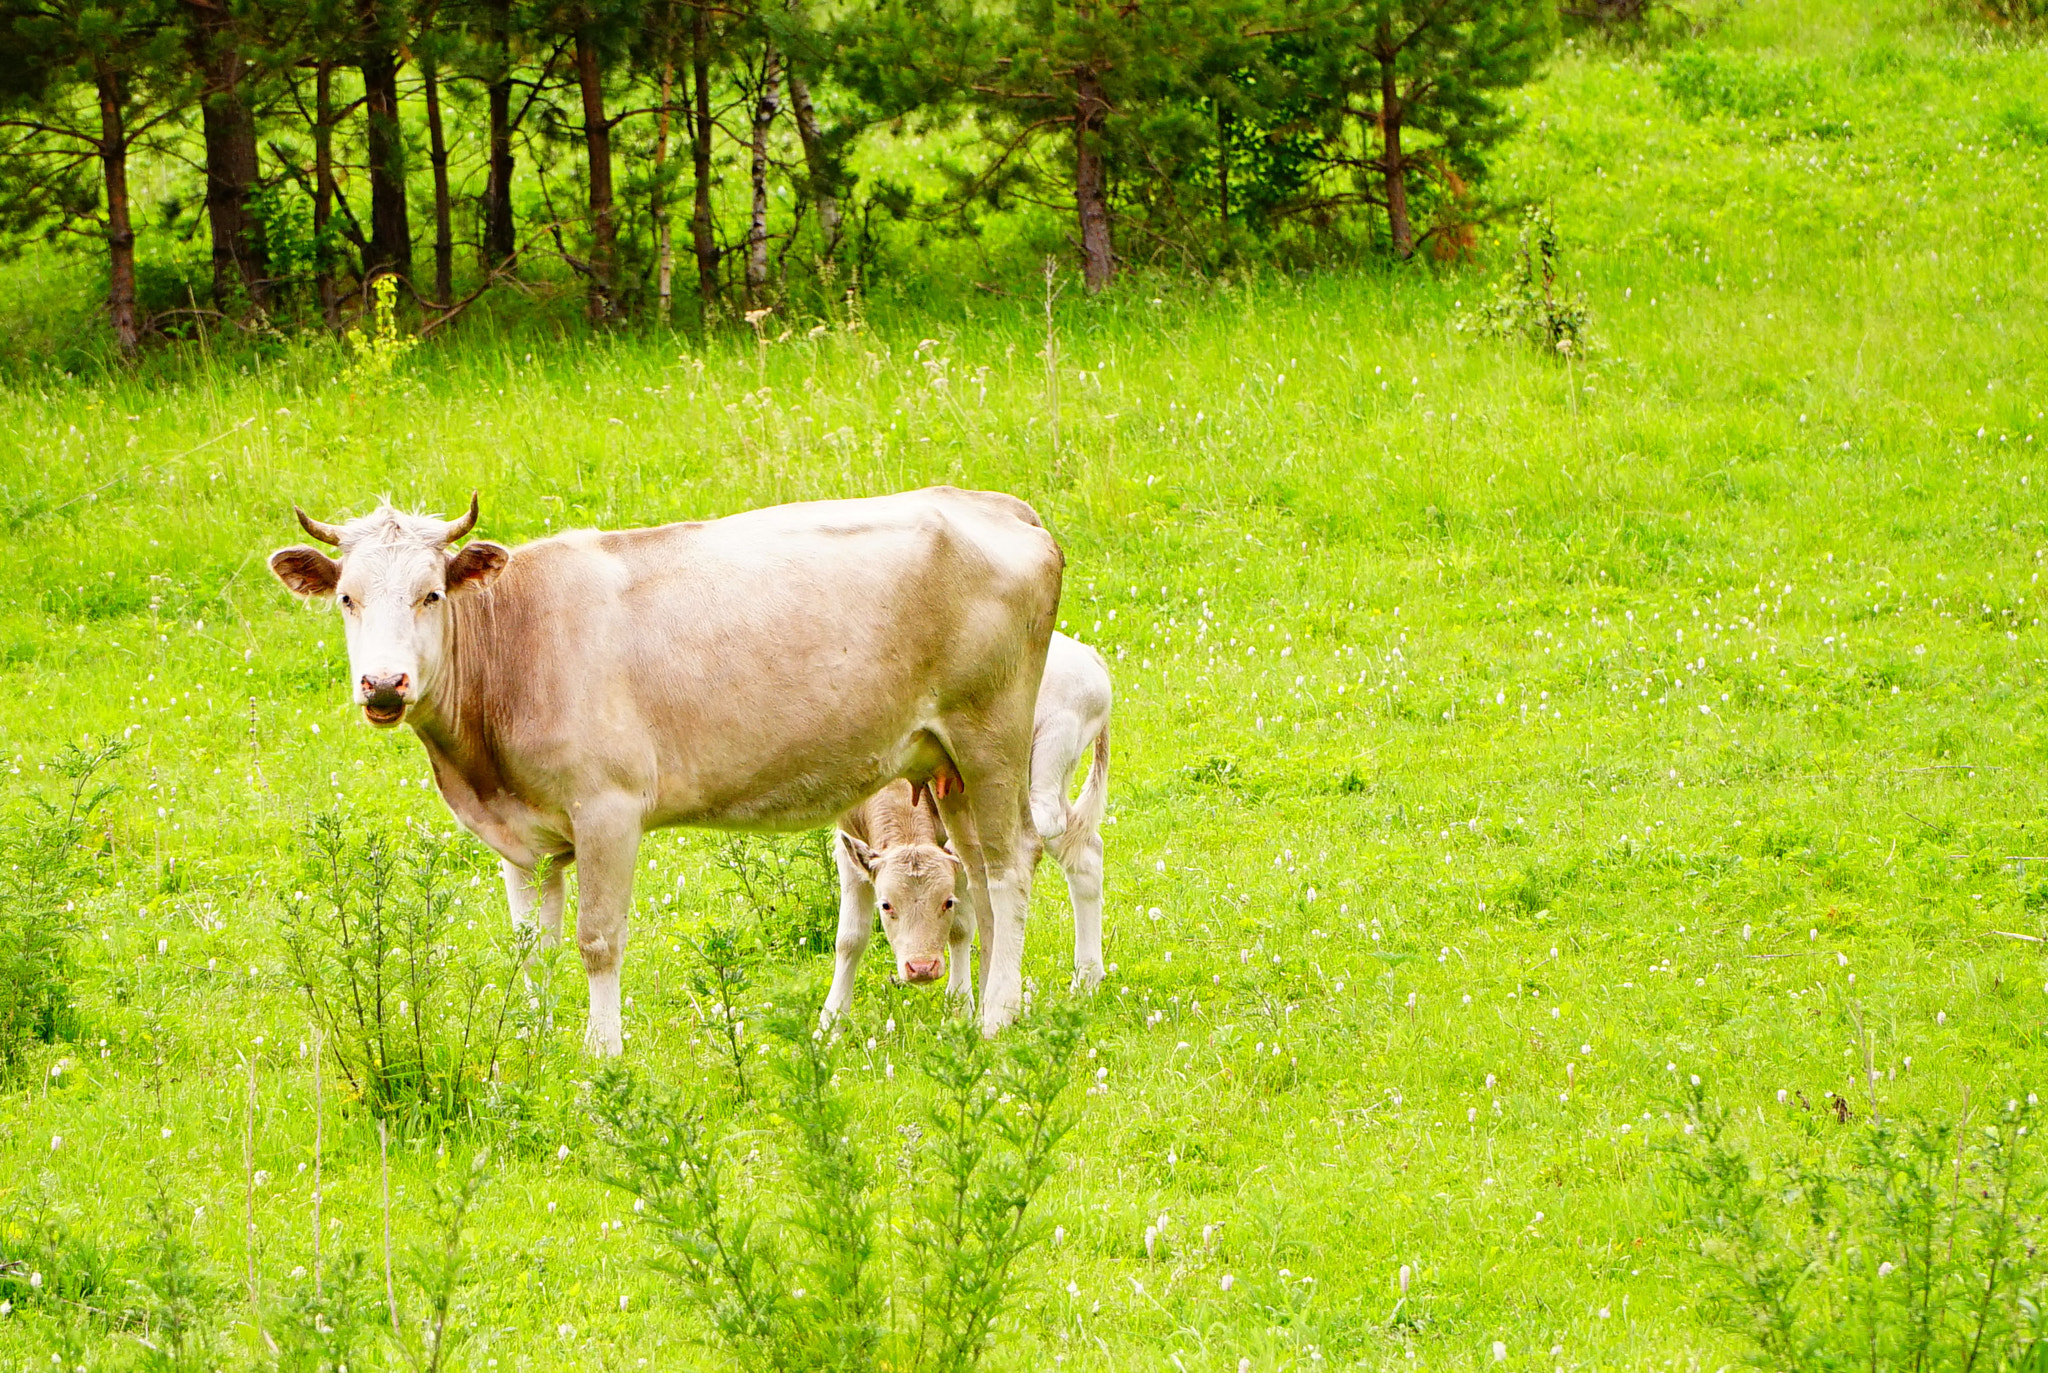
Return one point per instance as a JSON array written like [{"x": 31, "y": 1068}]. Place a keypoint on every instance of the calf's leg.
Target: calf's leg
[
  {"x": 1081, "y": 859},
  {"x": 856, "y": 927}
]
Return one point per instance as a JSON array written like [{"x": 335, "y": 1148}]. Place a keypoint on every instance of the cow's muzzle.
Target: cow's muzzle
[
  {"x": 384, "y": 698},
  {"x": 918, "y": 971}
]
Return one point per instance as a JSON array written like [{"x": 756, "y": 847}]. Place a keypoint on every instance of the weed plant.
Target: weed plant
[
  {"x": 47, "y": 859},
  {"x": 788, "y": 884},
  {"x": 1919, "y": 1250},
  {"x": 418, "y": 1020},
  {"x": 821, "y": 1278}
]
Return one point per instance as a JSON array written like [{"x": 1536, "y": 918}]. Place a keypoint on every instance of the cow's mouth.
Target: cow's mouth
[{"x": 384, "y": 713}]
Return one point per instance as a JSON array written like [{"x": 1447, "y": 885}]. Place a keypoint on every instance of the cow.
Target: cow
[
  {"x": 891, "y": 849},
  {"x": 763, "y": 672}
]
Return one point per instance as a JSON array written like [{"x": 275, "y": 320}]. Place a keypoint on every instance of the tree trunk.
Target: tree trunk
[
  {"x": 323, "y": 195},
  {"x": 1091, "y": 183},
  {"x": 664, "y": 249},
  {"x": 1392, "y": 164},
  {"x": 437, "y": 153},
  {"x": 499, "y": 242},
  {"x": 1223, "y": 162},
  {"x": 765, "y": 109},
  {"x": 228, "y": 131},
  {"x": 597, "y": 139},
  {"x": 819, "y": 161},
  {"x": 390, "y": 222},
  {"x": 705, "y": 245},
  {"x": 113, "y": 151}
]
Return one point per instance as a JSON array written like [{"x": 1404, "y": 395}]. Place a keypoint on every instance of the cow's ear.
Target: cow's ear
[
  {"x": 858, "y": 853},
  {"x": 477, "y": 565},
  {"x": 305, "y": 571}
]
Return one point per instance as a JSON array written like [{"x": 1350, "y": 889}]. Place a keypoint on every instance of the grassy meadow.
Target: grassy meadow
[{"x": 1501, "y": 741}]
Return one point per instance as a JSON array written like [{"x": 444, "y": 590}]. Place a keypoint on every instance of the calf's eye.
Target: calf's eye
[
  {"x": 949, "y": 903},
  {"x": 887, "y": 907}
]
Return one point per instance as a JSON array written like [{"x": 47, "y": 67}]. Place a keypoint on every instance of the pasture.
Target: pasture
[{"x": 1501, "y": 742}]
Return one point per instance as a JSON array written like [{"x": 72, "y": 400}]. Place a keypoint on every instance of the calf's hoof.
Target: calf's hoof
[
  {"x": 1087, "y": 979},
  {"x": 601, "y": 1041}
]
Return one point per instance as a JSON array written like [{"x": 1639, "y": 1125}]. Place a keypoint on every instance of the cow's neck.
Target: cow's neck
[{"x": 453, "y": 723}]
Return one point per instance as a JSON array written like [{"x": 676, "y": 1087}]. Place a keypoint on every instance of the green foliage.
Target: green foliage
[
  {"x": 49, "y": 856},
  {"x": 1702, "y": 83},
  {"x": 418, "y": 1019},
  {"x": 1921, "y": 1251},
  {"x": 373, "y": 352},
  {"x": 805, "y": 1285},
  {"x": 1527, "y": 303}
]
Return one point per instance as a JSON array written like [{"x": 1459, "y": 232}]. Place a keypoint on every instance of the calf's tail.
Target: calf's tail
[{"x": 1084, "y": 817}]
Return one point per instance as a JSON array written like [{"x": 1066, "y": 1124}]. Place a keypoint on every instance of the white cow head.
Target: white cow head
[
  {"x": 916, "y": 889},
  {"x": 393, "y": 582}
]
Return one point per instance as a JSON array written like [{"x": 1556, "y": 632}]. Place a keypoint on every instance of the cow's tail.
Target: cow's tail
[{"x": 1084, "y": 817}]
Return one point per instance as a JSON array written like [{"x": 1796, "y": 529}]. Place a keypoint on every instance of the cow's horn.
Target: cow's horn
[
  {"x": 325, "y": 533},
  {"x": 457, "y": 528}
]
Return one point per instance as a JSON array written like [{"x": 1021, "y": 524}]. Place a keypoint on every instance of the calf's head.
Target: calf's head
[
  {"x": 915, "y": 889},
  {"x": 393, "y": 583}
]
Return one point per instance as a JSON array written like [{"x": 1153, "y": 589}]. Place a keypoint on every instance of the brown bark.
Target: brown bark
[
  {"x": 597, "y": 140},
  {"x": 664, "y": 249},
  {"x": 113, "y": 150},
  {"x": 1091, "y": 182},
  {"x": 705, "y": 245},
  {"x": 499, "y": 242},
  {"x": 437, "y": 154},
  {"x": 819, "y": 161},
  {"x": 1392, "y": 165},
  {"x": 390, "y": 223},
  {"x": 228, "y": 132},
  {"x": 766, "y": 106},
  {"x": 323, "y": 195}
]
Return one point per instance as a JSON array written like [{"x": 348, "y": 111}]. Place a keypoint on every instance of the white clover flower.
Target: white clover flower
[
  {"x": 562, "y": 1153},
  {"x": 1226, "y": 1282}
]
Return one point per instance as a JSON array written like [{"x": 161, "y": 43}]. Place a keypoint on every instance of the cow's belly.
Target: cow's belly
[{"x": 793, "y": 792}]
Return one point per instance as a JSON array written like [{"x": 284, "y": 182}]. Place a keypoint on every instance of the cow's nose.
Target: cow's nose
[
  {"x": 923, "y": 969},
  {"x": 389, "y": 688}
]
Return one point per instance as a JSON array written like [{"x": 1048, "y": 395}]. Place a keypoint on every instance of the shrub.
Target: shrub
[
  {"x": 418, "y": 1021},
  {"x": 1526, "y": 302},
  {"x": 807, "y": 1285},
  {"x": 44, "y": 862},
  {"x": 1921, "y": 1251}
]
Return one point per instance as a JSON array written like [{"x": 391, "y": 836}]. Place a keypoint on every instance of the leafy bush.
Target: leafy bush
[
  {"x": 810, "y": 1285},
  {"x": 418, "y": 1022},
  {"x": 1922, "y": 1252},
  {"x": 44, "y": 861},
  {"x": 1526, "y": 302}
]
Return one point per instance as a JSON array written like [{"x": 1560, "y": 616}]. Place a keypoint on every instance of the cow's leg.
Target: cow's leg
[
  {"x": 856, "y": 927},
  {"x": 960, "y": 947},
  {"x": 525, "y": 896},
  {"x": 1080, "y": 858},
  {"x": 607, "y": 845},
  {"x": 994, "y": 766},
  {"x": 966, "y": 842}
]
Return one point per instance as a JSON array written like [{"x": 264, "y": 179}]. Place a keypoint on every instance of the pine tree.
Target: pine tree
[
  {"x": 81, "y": 81},
  {"x": 1423, "y": 80}
]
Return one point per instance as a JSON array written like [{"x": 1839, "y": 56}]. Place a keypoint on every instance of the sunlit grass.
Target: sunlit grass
[{"x": 1496, "y": 740}]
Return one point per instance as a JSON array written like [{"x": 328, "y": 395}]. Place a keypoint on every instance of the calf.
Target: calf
[{"x": 892, "y": 850}]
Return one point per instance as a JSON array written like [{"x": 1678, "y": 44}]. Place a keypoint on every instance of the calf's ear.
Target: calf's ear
[
  {"x": 477, "y": 565},
  {"x": 862, "y": 856},
  {"x": 305, "y": 571}
]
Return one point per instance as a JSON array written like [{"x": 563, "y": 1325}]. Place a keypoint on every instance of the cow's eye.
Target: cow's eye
[
  {"x": 887, "y": 907},
  {"x": 348, "y": 603},
  {"x": 433, "y": 596}
]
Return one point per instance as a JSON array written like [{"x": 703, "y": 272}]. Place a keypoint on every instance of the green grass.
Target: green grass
[{"x": 1480, "y": 720}]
